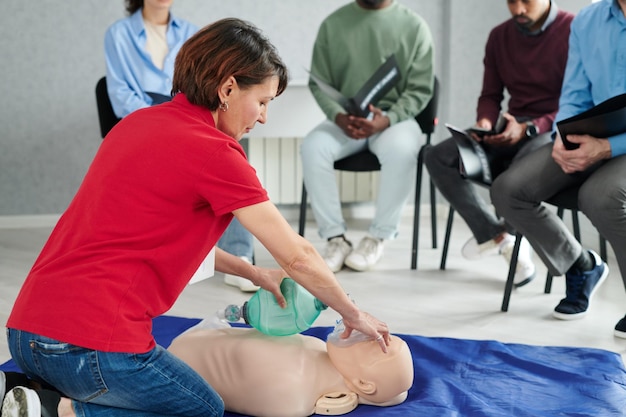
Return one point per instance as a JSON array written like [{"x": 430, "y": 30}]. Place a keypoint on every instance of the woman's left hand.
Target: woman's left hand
[{"x": 270, "y": 279}]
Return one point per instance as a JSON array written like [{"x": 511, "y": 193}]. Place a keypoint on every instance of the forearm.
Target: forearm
[
  {"x": 231, "y": 264},
  {"x": 309, "y": 270},
  {"x": 544, "y": 123},
  {"x": 296, "y": 256}
]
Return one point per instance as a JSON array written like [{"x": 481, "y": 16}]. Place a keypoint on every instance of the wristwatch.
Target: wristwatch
[{"x": 531, "y": 130}]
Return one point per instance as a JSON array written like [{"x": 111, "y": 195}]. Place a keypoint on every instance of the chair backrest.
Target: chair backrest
[
  {"x": 427, "y": 119},
  {"x": 106, "y": 115}
]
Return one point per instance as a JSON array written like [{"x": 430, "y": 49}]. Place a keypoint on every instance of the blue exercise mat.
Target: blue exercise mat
[{"x": 476, "y": 378}]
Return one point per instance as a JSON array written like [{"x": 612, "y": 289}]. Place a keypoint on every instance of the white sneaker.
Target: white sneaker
[
  {"x": 472, "y": 250},
  {"x": 525, "y": 270},
  {"x": 244, "y": 284},
  {"x": 335, "y": 253},
  {"x": 21, "y": 402},
  {"x": 366, "y": 255}
]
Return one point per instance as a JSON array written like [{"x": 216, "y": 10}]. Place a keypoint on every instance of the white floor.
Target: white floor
[{"x": 461, "y": 302}]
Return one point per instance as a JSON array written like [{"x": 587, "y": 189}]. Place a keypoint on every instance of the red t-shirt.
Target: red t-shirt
[{"x": 157, "y": 197}]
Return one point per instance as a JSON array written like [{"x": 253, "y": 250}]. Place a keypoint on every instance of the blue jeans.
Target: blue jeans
[
  {"x": 396, "y": 148},
  {"x": 237, "y": 241},
  {"x": 149, "y": 384}
]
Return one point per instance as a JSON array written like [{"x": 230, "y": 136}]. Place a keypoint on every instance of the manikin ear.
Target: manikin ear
[
  {"x": 227, "y": 88},
  {"x": 366, "y": 387}
]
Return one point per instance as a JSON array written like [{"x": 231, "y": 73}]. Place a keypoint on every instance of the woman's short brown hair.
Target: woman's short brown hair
[
  {"x": 225, "y": 48},
  {"x": 133, "y": 5}
]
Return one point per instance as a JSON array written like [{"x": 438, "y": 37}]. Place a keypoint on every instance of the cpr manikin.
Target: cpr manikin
[{"x": 293, "y": 376}]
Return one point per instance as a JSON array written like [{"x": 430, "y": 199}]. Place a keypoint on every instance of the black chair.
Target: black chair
[
  {"x": 365, "y": 161},
  {"x": 565, "y": 200},
  {"x": 106, "y": 115}
]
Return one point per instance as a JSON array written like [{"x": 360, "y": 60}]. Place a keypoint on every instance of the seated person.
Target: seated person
[
  {"x": 140, "y": 51},
  {"x": 351, "y": 44},
  {"x": 277, "y": 376},
  {"x": 537, "y": 29}
]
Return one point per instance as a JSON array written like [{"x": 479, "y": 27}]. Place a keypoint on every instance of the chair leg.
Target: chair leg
[
  {"x": 446, "y": 239},
  {"x": 433, "y": 204},
  {"x": 508, "y": 287},
  {"x": 433, "y": 214},
  {"x": 548, "y": 287},
  {"x": 576, "y": 225},
  {"x": 302, "y": 219},
  {"x": 603, "y": 248},
  {"x": 416, "y": 207}
]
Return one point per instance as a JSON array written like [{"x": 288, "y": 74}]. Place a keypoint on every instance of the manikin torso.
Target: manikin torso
[{"x": 257, "y": 376}]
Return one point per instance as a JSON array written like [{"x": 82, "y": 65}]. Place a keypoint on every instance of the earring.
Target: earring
[{"x": 224, "y": 106}]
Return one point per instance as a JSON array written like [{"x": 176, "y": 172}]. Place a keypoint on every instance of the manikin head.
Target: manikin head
[{"x": 378, "y": 378}]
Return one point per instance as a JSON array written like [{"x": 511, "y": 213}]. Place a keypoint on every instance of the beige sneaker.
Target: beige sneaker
[
  {"x": 244, "y": 284},
  {"x": 472, "y": 250},
  {"x": 335, "y": 253},
  {"x": 525, "y": 270},
  {"x": 366, "y": 255}
]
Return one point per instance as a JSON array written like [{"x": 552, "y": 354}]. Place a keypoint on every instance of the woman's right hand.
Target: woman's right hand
[{"x": 368, "y": 325}]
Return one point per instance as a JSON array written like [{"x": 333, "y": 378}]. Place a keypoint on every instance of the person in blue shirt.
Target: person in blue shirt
[
  {"x": 140, "y": 51},
  {"x": 595, "y": 72}
]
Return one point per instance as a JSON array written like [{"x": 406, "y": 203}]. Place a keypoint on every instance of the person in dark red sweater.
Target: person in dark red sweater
[{"x": 526, "y": 56}]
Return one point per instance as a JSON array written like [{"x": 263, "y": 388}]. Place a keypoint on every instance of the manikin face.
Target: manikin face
[
  {"x": 529, "y": 14},
  {"x": 377, "y": 378},
  {"x": 246, "y": 106}
]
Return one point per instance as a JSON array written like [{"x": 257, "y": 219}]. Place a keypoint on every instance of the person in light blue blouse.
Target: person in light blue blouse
[
  {"x": 595, "y": 72},
  {"x": 140, "y": 52}
]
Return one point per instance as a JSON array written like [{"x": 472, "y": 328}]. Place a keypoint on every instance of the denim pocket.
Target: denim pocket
[{"x": 71, "y": 369}]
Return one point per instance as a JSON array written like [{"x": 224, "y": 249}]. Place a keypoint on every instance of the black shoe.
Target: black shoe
[
  {"x": 580, "y": 288},
  {"x": 620, "y": 329}
]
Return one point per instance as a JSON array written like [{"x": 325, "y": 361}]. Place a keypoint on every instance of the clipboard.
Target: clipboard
[{"x": 375, "y": 88}]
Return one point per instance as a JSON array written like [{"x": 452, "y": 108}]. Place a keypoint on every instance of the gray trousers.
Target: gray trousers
[
  {"x": 442, "y": 161},
  {"x": 518, "y": 192}
]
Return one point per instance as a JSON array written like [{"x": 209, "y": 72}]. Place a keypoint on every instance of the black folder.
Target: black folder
[
  {"x": 602, "y": 121},
  {"x": 379, "y": 84},
  {"x": 474, "y": 162}
]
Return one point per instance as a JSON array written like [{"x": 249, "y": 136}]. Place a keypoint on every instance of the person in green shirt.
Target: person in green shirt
[{"x": 351, "y": 45}]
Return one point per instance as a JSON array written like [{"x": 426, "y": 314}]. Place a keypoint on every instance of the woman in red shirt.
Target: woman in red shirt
[{"x": 165, "y": 178}]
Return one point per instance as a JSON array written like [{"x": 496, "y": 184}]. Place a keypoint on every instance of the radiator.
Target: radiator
[{"x": 278, "y": 166}]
